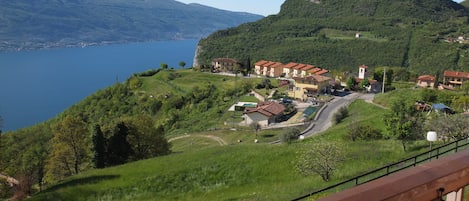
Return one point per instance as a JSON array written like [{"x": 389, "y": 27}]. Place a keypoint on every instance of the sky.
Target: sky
[{"x": 262, "y": 7}]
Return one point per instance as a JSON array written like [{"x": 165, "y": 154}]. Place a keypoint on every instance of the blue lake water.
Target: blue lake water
[{"x": 37, "y": 85}]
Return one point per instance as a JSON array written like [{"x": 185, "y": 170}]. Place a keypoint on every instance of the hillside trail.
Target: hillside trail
[
  {"x": 212, "y": 137},
  {"x": 12, "y": 181}
]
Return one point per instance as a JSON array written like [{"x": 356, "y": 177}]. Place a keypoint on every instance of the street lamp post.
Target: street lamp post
[{"x": 431, "y": 137}]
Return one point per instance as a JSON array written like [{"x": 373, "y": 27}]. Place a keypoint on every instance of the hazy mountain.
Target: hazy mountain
[{"x": 46, "y": 23}]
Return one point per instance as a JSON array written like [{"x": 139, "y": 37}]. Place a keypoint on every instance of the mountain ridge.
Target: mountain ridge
[
  {"x": 59, "y": 23},
  {"x": 399, "y": 33}
]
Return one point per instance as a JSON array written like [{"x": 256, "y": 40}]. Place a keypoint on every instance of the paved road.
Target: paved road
[{"x": 324, "y": 120}]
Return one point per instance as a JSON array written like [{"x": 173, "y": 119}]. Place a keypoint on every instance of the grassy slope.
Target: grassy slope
[{"x": 236, "y": 172}]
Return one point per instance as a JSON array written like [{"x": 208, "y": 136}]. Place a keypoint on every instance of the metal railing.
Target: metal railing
[{"x": 435, "y": 153}]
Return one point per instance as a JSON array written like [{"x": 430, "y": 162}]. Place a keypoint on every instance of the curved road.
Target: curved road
[{"x": 324, "y": 119}]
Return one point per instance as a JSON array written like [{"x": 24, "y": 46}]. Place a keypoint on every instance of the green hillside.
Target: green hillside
[
  {"x": 402, "y": 33},
  {"x": 233, "y": 172},
  {"x": 61, "y": 23},
  {"x": 207, "y": 160}
]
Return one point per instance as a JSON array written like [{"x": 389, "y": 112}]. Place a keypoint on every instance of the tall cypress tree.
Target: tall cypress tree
[
  {"x": 99, "y": 147},
  {"x": 119, "y": 149}
]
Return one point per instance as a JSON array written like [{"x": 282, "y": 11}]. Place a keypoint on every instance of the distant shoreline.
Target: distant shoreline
[{"x": 7, "y": 47}]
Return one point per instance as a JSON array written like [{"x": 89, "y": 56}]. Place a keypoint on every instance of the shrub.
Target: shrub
[
  {"x": 359, "y": 131},
  {"x": 289, "y": 135},
  {"x": 149, "y": 73},
  {"x": 340, "y": 115}
]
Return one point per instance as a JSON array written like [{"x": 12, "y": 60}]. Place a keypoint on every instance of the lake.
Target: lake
[{"x": 38, "y": 85}]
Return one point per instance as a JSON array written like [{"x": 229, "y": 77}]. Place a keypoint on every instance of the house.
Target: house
[
  {"x": 304, "y": 70},
  {"x": 263, "y": 114},
  {"x": 288, "y": 69},
  {"x": 426, "y": 81},
  {"x": 322, "y": 72},
  {"x": 314, "y": 71},
  {"x": 454, "y": 78},
  {"x": 375, "y": 87},
  {"x": 268, "y": 68},
  {"x": 225, "y": 64},
  {"x": 259, "y": 66},
  {"x": 276, "y": 70},
  {"x": 309, "y": 86},
  {"x": 297, "y": 70},
  {"x": 358, "y": 35}
]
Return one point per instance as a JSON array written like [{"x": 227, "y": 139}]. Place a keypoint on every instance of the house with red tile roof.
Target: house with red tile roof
[
  {"x": 304, "y": 70},
  {"x": 426, "y": 81},
  {"x": 259, "y": 66},
  {"x": 269, "y": 68},
  {"x": 288, "y": 69},
  {"x": 266, "y": 67},
  {"x": 455, "y": 78},
  {"x": 275, "y": 70},
  {"x": 297, "y": 70},
  {"x": 264, "y": 113},
  {"x": 322, "y": 72},
  {"x": 224, "y": 64},
  {"x": 314, "y": 70}
]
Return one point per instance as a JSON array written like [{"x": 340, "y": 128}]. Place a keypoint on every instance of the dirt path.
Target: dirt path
[
  {"x": 215, "y": 138},
  {"x": 9, "y": 180}
]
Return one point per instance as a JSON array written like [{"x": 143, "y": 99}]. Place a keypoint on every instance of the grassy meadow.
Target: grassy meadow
[{"x": 203, "y": 169}]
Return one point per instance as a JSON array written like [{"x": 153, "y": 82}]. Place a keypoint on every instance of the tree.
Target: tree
[
  {"x": 428, "y": 95},
  {"x": 99, "y": 147},
  {"x": 437, "y": 78},
  {"x": 320, "y": 158},
  {"x": 465, "y": 87},
  {"x": 449, "y": 127},
  {"x": 69, "y": 146},
  {"x": 379, "y": 75},
  {"x": 145, "y": 139},
  {"x": 182, "y": 64},
  {"x": 1, "y": 124},
  {"x": 289, "y": 135},
  {"x": 256, "y": 126},
  {"x": 350, "y": 83},
  {"x": 461, "y": 103},
  {"x": 118, "y": 148},
  {"x": 164, "y": 66},
  {"x": 403, "y": 121},
  {"x": 364, "y": 84}
]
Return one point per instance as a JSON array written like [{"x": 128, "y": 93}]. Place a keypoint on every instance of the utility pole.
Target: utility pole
[{"x": 384, "y": 80}]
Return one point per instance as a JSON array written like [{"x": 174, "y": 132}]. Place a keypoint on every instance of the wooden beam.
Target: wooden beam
[{"x": 422, "y": 183}]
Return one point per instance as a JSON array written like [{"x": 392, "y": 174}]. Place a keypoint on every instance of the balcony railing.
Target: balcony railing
[{"x": 435, "y": 153}]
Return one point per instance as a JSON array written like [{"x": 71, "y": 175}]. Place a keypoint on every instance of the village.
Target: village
[{"x": 307, "y": 83}]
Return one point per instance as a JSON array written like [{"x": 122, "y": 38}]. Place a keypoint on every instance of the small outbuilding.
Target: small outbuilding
[{"x": 264, "y": 114}]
